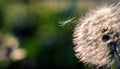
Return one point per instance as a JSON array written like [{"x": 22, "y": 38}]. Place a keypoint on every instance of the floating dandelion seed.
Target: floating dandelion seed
[
  {"x": 72, "y": 20},
  {"x": 97, "y": 36}
]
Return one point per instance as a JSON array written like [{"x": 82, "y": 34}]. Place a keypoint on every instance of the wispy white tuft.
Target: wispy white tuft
[
  {"x": 96, "y": 34},
  {"x": 63, "y": 23}
]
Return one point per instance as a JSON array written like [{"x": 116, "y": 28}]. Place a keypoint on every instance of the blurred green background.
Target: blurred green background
[{"x": 32, "y": 36}]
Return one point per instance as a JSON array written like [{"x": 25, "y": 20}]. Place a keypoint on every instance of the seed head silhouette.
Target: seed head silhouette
[{"x": 97, "y": 36}]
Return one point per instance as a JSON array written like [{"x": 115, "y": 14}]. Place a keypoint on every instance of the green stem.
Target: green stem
[{"x": 113, "y": 67}]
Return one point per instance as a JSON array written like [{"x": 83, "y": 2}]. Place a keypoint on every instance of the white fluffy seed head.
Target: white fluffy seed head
[{"x": 90, "y": 44}]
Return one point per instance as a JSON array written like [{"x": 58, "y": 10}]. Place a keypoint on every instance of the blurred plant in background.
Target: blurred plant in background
[{"x": 37, "y": 40}]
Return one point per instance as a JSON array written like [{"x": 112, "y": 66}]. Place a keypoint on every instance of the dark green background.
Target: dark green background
[{"x": 36, "y": 23}]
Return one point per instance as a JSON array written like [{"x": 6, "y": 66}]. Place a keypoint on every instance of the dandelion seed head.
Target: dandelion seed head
[{"x": 95, "y": 33}]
